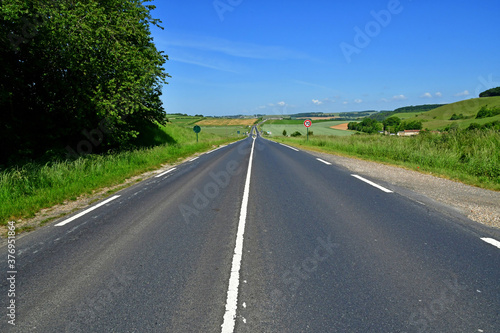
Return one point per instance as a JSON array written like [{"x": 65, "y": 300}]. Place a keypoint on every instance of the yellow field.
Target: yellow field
[{"x": 226, "y": 122}]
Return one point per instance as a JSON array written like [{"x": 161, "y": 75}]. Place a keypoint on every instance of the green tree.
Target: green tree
[
  {"x": 69, "y": 67},
  {"x": 410, "y": 125},
  {"x": 391, "y": 122},
  {"x": 490, "y": 92},
  {"x": 284, "y": 132}
]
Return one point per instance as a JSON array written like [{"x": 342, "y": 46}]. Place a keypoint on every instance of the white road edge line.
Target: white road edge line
[
  {"x": 60, "y": 224},
  {"x": 234, "y": 280},
  {"x": 194, "y": 159},
  {"x": 209, "y": 152},
  {"x": 164, "y": 173},
  {"x": 289, "y": 147},
  {"x": 327, "y": 163},
  {"x": 372, "y": 184},
  {"x": 492, "y": 241}
]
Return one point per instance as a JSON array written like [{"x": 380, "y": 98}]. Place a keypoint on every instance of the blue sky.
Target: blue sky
[{"x": 231, "y": 57}]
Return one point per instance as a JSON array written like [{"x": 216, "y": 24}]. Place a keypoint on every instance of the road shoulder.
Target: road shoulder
[{"x": 477, "y": 204}]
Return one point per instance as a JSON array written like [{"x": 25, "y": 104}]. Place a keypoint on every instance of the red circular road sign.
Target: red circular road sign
[{"x": 307, "y": 123}]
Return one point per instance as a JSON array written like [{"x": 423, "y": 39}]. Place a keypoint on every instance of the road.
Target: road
[{"x": 256, "y": 237}]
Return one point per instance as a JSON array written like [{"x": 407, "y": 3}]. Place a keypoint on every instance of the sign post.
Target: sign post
[
  {"x": 307, "y": 124},
  {"x": 197, "y": 129}
]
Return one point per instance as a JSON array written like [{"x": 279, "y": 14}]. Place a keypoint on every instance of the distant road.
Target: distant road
[{"x": 307, "y": 246}]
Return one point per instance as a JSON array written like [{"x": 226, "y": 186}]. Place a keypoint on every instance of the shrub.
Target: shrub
[
  {"x": 295, "y": 134},
  {"x": 484, "y": 112},
  {"x": 457, "y": 117}
]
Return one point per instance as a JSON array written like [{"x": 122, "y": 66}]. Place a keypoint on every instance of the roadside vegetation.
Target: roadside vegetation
[
  {"x": 469, "y": 156},
  {"x": 80, "y": 98}
]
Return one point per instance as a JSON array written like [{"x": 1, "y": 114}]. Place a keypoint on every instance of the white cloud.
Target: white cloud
[
  {"x": 399, "y": 97},
  {"x": 232, "y": 48},
  {"x": 206, "y": 62},
  {"x": 345, "y": 102},
  {"x": 384, "y": 100},
  {"x": 317, "y": 101},
  {"x": 426, "y": 95},
  {"x": 438, "y": 94},
  {"x": 281, "y": 103},
  {"x": 357, "y": 101},
  {"x": 463, "y": 93}
]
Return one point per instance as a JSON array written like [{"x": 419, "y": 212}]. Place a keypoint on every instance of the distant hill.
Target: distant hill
[
  {"x": 439, "y": 118},
  {"x": 381, "y": 116},
  {"x": 343, "y": 115}
]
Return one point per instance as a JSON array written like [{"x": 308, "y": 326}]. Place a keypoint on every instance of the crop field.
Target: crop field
[
  {"x": 318, "y": 128},
  {"x": 183, "y": 120},
  {"x": 226, "y": 122},
  {"x": 225, "y": 131}
]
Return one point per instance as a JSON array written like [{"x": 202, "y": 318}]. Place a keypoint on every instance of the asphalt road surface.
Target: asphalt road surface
[{"x": 255, "y": 237}]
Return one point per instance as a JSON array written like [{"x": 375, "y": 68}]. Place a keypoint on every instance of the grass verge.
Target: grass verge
[{"x": 472, "y": 157}]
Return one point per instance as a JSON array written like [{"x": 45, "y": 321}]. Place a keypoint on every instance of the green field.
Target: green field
[{"x": 318, "y": 128}]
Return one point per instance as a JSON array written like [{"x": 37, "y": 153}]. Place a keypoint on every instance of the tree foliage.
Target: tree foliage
[
  {"x": 391, "y": 123},
  {"x": 486, "y": 112},
  {"x": 69, "y": 67},
  {"x": 367, "y": 125},
  {"x": 410, "y": 125},
  {"x": 490, "y": 92}
]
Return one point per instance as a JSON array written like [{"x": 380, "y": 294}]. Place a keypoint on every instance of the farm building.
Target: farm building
[{"x": 409, "y": 132}]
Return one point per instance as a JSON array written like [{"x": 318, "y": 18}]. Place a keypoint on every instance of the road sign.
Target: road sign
[
  {"x": 307, "y": 123},
  {"x": 197, "y": 129}
]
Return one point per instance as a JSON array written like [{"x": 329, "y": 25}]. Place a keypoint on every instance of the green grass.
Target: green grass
[
  {"x": 472, "y": 157},
  {"x": 318, "y": 128},
  {"x": 27, "y": 189}
]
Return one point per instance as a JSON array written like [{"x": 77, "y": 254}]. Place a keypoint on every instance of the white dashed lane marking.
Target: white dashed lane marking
[
  {"x": 492, "y": 241},
  {"x": 60, "y": 224},
  {"x": 372, "y": 184}
]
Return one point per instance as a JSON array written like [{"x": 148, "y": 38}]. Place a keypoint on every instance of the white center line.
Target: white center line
[
  {"x": 60, "y": 224},
  {"x": 373, "y": 184},
  {"x": 289, "y": 147},
  {"x": 164, "y": 173},
  {"x": 492, "y": 241},
  {"x": 327, "y": 163},
  {"x": 234, "y": 279}
]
